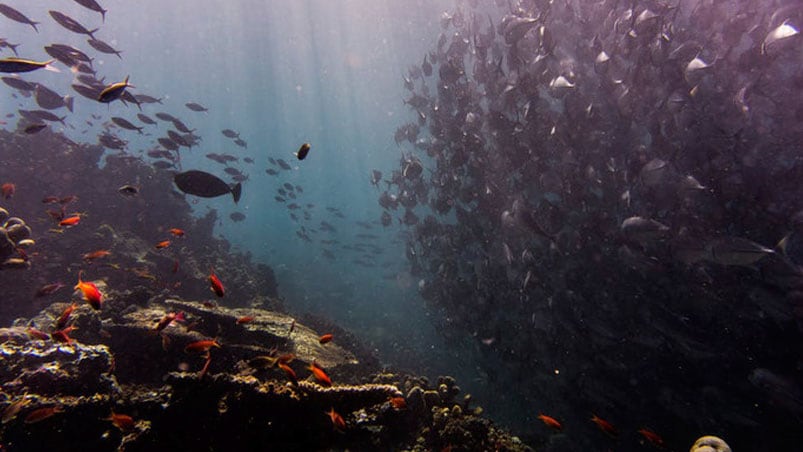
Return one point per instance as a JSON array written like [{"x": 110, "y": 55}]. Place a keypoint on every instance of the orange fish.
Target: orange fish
[
  {"x": 49, "y": 289},
  {"x": 320, "y": 375},
  {"x": 287, "y": 358},
  {"x": 291, "y": 374},
  {"x": 41, "y": 414},
  {"x": 121, "y": 421},
  {"x": 8, "y": 190},
  {"x": 91, "y": 293},
  {"x": 337, "y": 420},
  {"x": 162, "y": 244},
  {"x": 244, "y": 319},
  {"x": 398, "y": 403},
  {"x": 215, "y": 285},
  {"x": 176, "y": 232},
  {"x": 201, "y": 346},
  {"x": 168, "y": 319},
  {"x": 96, "y": 255},
  {"x": 550, "y": 422},
  {"x": 61, "y": 322},
  {"x": 604, "y": 425},
  {"x": 70, "y": 221},
  {"x": 652, "y": 437},
  {"x": 325, "y": 338},
  {"x": 206, "y": 366}
]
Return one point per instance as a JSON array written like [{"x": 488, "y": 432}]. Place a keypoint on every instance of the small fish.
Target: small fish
[
  {"x": 90, "y": 291},
  {"x": 292, "y": 327},
  {"x": 128, "y": 190},
  {"x": 122, "y": 421},
  {"x": 176, "y": 232},
  {"x": 96, "y": 255},
  {"x": 215, "y": 285},
  {"x": 61, "y": 322},
  {"x": 398, "y": 403},
  {"x": 195, "y": 107},
  {"x": 303, "y": 151},
  {"x": 262, "y": 362},
  {"x": 18, "y": 65},
  {"x": 8, "y": 190},
  {"x": 337, "y": 420},
  {"x": 163, "y": 244},
  {"x": 37, "y": 334},
  {"x": 244, "y": 319},
  {"x": 320, "y": 375},
  {"x": 70, "y": 221},
  {"x": 50, "y": 200},
  {"x": 63, "y": 336},
  {"x": 17, "y": 16},
  {"x": 291, "y": 374},
  {"x": 34, "y": 128},
  {"x": 205, "y": 369},
  {"x": 40, "y": 414},
  {"x": 325, "y": 338},
  {"x": 652, "y": 437},
  {"x": 114, "y": 91},
  {"x": 168, "y": 319},
  {"x": 550, "y": 422},
  {"x": 605, "y": 426},
  {"x": 13, "y": 410},
  {"x": 201, "y": 346}
]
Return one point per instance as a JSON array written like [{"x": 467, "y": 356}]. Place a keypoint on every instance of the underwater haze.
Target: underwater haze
[{"x": 497, "y": 225}]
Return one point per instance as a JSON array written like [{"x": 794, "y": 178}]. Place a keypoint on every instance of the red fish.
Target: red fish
[
  {"x": 122, "y": 421},
  {"x": 337, "y": 420},
  {"x": 215, "y": 285},
  {"x": 70, "y": 221},
  {"x": 244, "y": 319},
  {"x": 41, "y": 335},
  {"x": 61, "y": 322},
  {"x": 201, "y": 346},
  {"x": 604, "y": 425},
  {"x": 176, "y": 232},
  {"x": 205, "y": 369},
  {"x": 291, "y": 374},
  {"x": 96, "y": 255},
  {"x": 50, "y": 200},
  {"x": 162, "y": 244},
  {"x": 8, "y": 189},
  {"x": 325, "y": 338},
  {"x": 320, "y": 375},
  {"x": 398, "y": 403},
  {"x": 63, "y": 336},
  {"x": 550, "y": 422},
  {"x": 168, "y": 319},
  {"x": 652, "y": 437},
  {"x": 91, "y": 293},
  {"x": 41, "y": 414}
]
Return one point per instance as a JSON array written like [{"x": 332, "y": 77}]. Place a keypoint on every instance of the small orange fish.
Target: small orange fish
[
  {"x": 215, "y": 285},
  {"x": 96, "y": 255},
  {"x": 70, "y": 221},
  {"x": 176, "y": 232},
  {"x": 91, "y": 293},
  {"x": 604, "y": 425},
  {"x": 291, "y": 374},
  {"x": 550, "y": 422},
  {"x": 325, "y": 338},
  {"x": 40, "y": 414},
  {"x": 205, "y": 369},
  {"x": 652, "y": 437},
  {"x": 168, "y": 319},
  {"x": 398, "y": 403},
  {"x": 61, "y": 322},
  {"x": 244, "y": 319},
  {"x": 320, "y": 375},
  {"x": 8, "y": 190},
  {"x": 337, "y": 420},
  {"x": 201, "y": 346},
  {"x": 122, "y": 421},
  {"x": 162, "y": 244},
  {"x": 286, "y": 358},
  {"x": 49, "y": 289}
]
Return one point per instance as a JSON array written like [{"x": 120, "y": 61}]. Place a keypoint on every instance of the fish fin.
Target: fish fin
[
  {"x": 236, "y": 191},
  {"x": 33, "y": 24},
  {"x": 68, "y": 101},
  {"x": 92, "y": 32}
]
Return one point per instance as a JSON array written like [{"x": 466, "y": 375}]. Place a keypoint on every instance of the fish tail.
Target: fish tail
[
  {"x": 68, "y": 101},
  {"x": 33, "y": 24},
  {"x": 236, "y": 191},
  {"x": 92, "y": 32}
]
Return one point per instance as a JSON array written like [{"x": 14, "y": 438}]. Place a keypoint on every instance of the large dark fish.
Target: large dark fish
[
  {"x": 103, "y": 47},
  {"x": 16, "y": 16},
  {"x": 303, "y": 151},
  {"x": 125, "y": 124},
  {"x": 19, "y": 84},
  {"x": 93, "y": 5},
  {"x": 71, "y": 24},
  {"x": 205, "y": 185},
  {"x": 50, "y": 100},
  {"x": 113, "y": 91},
  {"x": 196, "y": 107}
]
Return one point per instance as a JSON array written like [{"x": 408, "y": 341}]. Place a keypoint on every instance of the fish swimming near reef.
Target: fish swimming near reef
[{"x": 205, "y": 185}]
